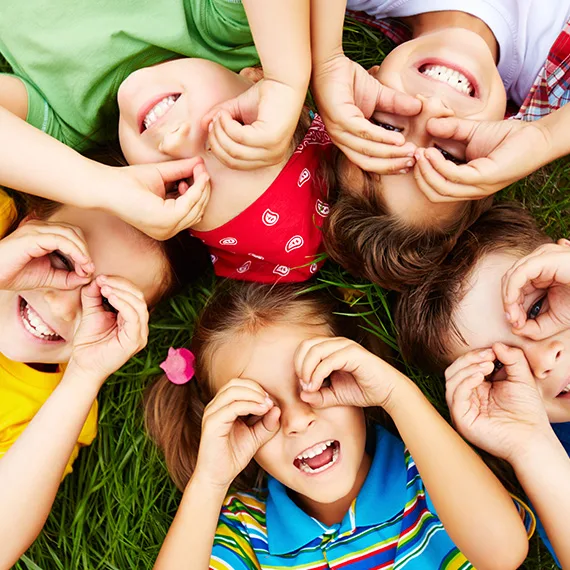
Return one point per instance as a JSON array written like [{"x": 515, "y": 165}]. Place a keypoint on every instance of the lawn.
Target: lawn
[{"x": 114, "y": 510}]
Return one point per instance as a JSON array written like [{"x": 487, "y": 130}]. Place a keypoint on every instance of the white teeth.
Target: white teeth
[
  {"x": 35, "y": 325},
  {"x": 159, "y": 110},
  {"x": 566, "y": 389},
  {"x": 315, "y": 450},
  {"x": 306, "y": 469},
  {"x": 450, "y": 76}
]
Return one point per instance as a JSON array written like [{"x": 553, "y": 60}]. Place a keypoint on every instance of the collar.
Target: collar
[
  {"x": 31, "y": 376},
  {"x": 382, "y": 496}
]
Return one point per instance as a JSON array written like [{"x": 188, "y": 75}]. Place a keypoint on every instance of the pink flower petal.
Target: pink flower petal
[{"x": 179, "y": 365}]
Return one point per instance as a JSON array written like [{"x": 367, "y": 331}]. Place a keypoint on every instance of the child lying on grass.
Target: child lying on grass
[
  {"x": 499, "y": 305},
  {"x": 277, "y": 391}
]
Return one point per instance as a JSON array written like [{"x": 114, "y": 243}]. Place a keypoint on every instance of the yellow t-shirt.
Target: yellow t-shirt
[{"x": 24, "y": 390}]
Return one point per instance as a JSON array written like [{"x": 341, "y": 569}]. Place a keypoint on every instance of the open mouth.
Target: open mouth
[
  {"x": 35, "y": 325},
  {"x": 565, "y": 391},
  {"x": 318, "y": 458},
  {"x": 452, "y": 77},
  {"x": 157, "y": 110}
]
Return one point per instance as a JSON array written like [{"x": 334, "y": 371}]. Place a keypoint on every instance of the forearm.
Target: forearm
[
  {"x": 556, "y": 127},
  {"x": 474, "y": 507},
  {"x": 31, "y": 470},
  {"x": 327, "y": 20},
  {"x": 35, "y": 163},
  {"x": 189, "y": 542},
  {"x": 281, "y": 33},
  {"x": 544, "y": 473}
]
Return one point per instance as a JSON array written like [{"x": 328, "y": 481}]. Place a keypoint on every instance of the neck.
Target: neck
[
  {"x": 43, "y": 367},
  {"x": 429, "y": 22},
  {"x": 333, "y": 513}
]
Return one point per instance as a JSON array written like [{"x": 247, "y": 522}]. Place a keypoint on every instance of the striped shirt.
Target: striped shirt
[{"x": 391, "y": 524}]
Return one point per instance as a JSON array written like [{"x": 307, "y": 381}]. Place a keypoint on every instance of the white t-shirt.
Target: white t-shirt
[{"x": 524, "y": 29}]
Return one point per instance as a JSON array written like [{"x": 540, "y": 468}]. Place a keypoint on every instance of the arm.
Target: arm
[
  {"x": 103, "y": 343},
  {"x": 13, "y": 95},
  {"x": 475, "y": 509},
  {"x": 135, "y": 193}
]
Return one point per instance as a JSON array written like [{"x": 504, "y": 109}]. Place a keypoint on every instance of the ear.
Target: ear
[{"x": 254, "y": 74}]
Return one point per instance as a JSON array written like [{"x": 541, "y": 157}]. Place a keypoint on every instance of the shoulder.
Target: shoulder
[{"x": 245, "y": 506}]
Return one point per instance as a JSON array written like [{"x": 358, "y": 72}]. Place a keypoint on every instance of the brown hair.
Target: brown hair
[
  {"x": 173, "y": 413},
  {"x": 370, "y": 242},
  {"x": 424, "y": 315}
]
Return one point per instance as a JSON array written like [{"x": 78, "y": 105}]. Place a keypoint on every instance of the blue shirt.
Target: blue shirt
[{"x": 392, "y": 521}]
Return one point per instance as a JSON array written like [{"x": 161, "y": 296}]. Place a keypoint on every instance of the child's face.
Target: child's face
[
  {"x": 161, "y": 108},
  {"x": 480, "y": 318},
  {"x": 268, "y": 359},
  {"x": 115, "y": 250},
  {"x": 469, "y": 86}
]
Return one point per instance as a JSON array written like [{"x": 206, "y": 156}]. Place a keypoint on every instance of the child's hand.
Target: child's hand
[
  {"x": 141, "y": 196},
  {"x": 29, "y": 257},
  {"x": 347, "y": 96},
  {"x": 498, "y": 154},
  {"x": 236, "y": 423},
  {"x": 340, "y": 372},
  {"x": 255, "y": 129},
  {"x": 546, "y": 269},
  {"x": 502, "y": 415},
  {"x": 113, "y": 327}
]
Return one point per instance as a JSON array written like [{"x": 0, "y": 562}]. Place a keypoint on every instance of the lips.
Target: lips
[
  {"x": 155, "y": 110},
  {"x": 318, "y": 458},
  {"x": 565, "y": 391},
  {"x": 449, "y": 73},
  {"x": 35, "y": 325}
]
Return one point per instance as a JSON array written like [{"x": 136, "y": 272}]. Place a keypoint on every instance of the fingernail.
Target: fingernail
[
  {"x": 410, "y": 163},
  {"x": 403, "y": 171},
  {"x": 268, "y": 402},
  {"x": 210, "y": 126},
  {"x": 102, "y": 279},
  {"x": 411, "y": 154},
  {"x": 508, "y": 316},
  {"x": 484, "y": 353}
]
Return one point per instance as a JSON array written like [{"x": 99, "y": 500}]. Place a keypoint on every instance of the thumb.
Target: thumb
[
  {"x": 453, "y": 128},
  {"x": 175, "y": 170},
  {"x": 396, "y": 102},
  {"x": 265, "y": 429},
  {"x": 66, "y": 280},
  {"x": 242, "y": 108},
  {"x": 91, "y": 297},
  {"x": 515, "y": 363},
  {"x": 323, "y": 398}
]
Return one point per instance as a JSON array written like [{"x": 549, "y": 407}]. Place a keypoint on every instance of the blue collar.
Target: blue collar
[
  {"x": 382, "y": 496},
  {"x": 562, "y": 431}
]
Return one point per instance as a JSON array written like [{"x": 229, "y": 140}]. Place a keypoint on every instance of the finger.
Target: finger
[
  {"x": 472, "y": 357},
  {"x": 193, "y": 203},
  {"x": 175, "y": 170},
  {"x": 324, "y": 398},
  {"x": 355, "y": 128},
  {"x": 461, "y": 400},
  {"x": 339, "y": 360},
  {"x": 121, "y": 284},
  {"x": 265, "y": 429},
  {"x": 396, "y": 102},
  {"x": 464, "y": 174},
  {"x": 132, "y": 332},
  {"x": 516, "y": 365},
  {"x": 542, "y": 327},
  {"x": 454, "y": 382},
  {"x": 196, "y": 213},
  {"x": 386, "y": 148},
  {"x": 228, "y": 414},
  {"x": 378, "y": 165},
  {"x": 91, "y": 299},
  {"x": 241, "y": 393},
  {"x": 454, "y": 128},
  {"x": 225, "y": 158}
]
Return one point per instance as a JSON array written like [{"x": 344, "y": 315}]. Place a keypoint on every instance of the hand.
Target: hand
[
  {"x": 498, "y": 154},
  {"x": 502, "y": 415},
  {"x": 255, "y": 129},
  {"x": 236, "y": 424},
  {"x": 546, "y": 269},
  {"x": 105, "y": 340},
  {"x": 141, "y": 198},
  {"x": 340, "y": 372},
  {"x": 29, "y": 257},
  {"x": 347, "y": 96}
]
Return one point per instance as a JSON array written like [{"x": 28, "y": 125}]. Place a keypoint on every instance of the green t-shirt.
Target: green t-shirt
[{"x": 73, "y": 55}]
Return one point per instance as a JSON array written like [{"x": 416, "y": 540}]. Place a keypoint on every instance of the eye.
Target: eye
[
  {"x": 497, "y": 367},
  {"x": 448, "y": 156},
  {"x": 535, "y": 309},
  {"x": 60, "y": 261},
  {"x": 386, "y": 126},
  {"x": 107, "y": 306},
  {"x": 250, "y": 420}
]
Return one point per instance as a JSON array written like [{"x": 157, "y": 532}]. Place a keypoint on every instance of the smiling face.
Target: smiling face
[
  {"x": 454, "y": 74},
  {"x": 480, "y": 319},
  {"x": 161, "y": 108},
  {"x": 38, "y": 326},
  {"x": 318, "y": 454}
]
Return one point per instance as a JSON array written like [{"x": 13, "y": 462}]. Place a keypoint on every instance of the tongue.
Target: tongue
[{"x": 320, "y": 460}]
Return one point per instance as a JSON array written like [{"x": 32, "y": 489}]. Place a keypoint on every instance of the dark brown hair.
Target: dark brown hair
[
  {"x": 173, "y": 413},
  {"x": 367, "y": 240},
  {"x": 425, "y": 314}
]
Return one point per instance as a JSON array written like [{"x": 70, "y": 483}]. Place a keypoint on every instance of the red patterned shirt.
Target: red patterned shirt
[{"x": 278, "y": 237}]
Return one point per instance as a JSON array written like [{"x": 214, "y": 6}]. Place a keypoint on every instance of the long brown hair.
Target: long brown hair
[{"x": 173, "y": 413}]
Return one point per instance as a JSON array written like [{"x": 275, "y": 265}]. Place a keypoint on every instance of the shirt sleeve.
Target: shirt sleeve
[
  {"x": 232, "y": 549},
  {"x": 7, "y": 213},
  {"x": 42, "y": 116}
]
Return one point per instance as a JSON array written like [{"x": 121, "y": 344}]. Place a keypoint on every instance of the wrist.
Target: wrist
[
  {"x": 401, "y": 388},
  {"x": 542, "y": 443},
  {"x": 75, "y": 373},
  {"x": 206, "y": 484}
]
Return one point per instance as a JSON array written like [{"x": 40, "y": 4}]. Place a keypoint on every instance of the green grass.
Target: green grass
[{"x": 113, "y": 512}]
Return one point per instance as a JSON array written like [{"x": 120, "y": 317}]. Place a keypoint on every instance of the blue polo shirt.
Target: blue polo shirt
[
  {"x": 563, "y": 433},
  {"x": 392, "y": 521}
]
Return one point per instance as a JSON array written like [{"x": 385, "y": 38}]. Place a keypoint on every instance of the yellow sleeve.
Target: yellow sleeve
[{"x": 7, "y": 212}]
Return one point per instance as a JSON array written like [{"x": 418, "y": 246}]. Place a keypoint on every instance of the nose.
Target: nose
[
  {"x": 176, "y": 142},
  {"x": 296, "y": 417},
  {"x": 433, "y": 107},
  {"x": 64, "y": 305},
  {"x": 543, "y": 356}
]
